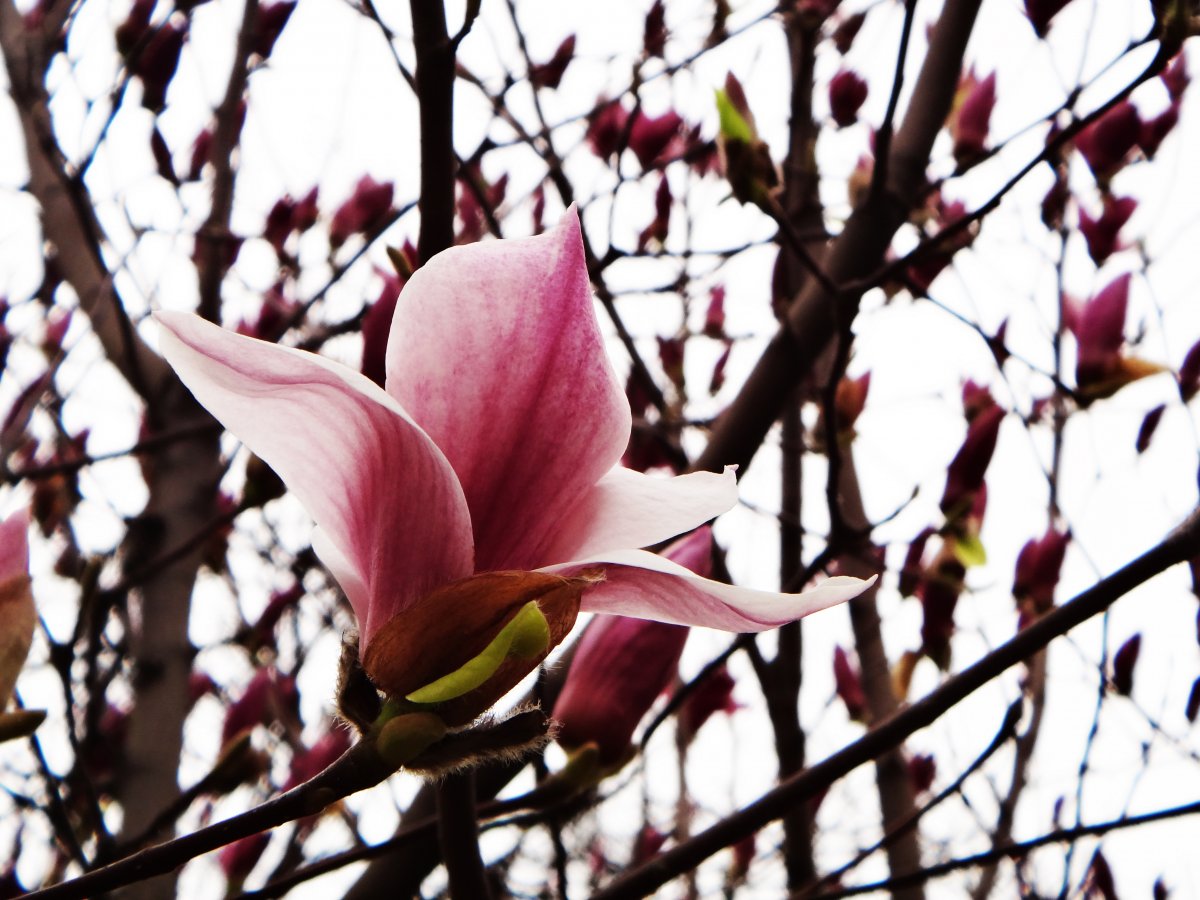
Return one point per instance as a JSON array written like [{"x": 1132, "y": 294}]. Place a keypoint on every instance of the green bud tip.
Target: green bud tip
[{"x": 526, "y": 636}]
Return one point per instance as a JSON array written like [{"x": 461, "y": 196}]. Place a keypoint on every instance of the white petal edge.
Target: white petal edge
[{"x": 647, "y": 586}]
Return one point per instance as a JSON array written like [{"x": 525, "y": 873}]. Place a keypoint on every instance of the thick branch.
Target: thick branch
[
  {"x": 435, "y": 96},
  {"x": 816, "y": 314},
  {"x": 896, "y": 799},
  {"x": 215, "y": 238}
]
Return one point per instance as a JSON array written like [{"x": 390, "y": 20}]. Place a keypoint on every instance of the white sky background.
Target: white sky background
[{"x": 331, "y": 106}]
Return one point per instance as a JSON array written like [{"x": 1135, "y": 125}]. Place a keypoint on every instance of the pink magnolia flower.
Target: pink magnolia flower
[{"x": 485, "y": 477}]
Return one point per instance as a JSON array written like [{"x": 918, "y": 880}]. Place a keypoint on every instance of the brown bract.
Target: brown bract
[{"x": 454, "y": 624}]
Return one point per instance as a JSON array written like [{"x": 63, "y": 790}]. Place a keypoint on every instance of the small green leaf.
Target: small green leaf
[
  {"x": 734, "y": 126},
  {"x": 970, "y": 551},
  {"x": 526, "y": 636}
]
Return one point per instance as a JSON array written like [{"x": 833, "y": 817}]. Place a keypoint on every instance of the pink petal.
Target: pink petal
[
  {"x": 627, "y": 509},
  {"x": 496, "y": 352},
  {"x": 14, "y": 547},
  {"x": 393, "y": 523},
  {"x": 647, "y": 586}
]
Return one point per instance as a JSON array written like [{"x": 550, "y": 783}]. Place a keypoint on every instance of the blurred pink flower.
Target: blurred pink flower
[
  {"x": 485, "y": 477},
  {"x": 16, "y": 602}
]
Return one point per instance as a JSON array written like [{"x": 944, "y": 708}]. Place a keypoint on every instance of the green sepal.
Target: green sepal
[
  {"x": 970, "y": 551},
  {"x": 734, "y": 126},
  {"x": 526, "y": 636},
  {"x": 406, "y": 736}
]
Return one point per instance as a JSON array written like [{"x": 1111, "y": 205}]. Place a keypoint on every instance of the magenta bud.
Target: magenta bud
[
  {"x": 549, "y": 74},
  {"x": 1189, "y": 373},
  {"x": 650, "y": 138},
  {"x": 976, "y": 398},
  {"x": 268, "y": 25},
  {"x": 1039, "y": 565},
  {"x": 922, "y": 770},
  {"x": 714, "y": 317},
  {"x": 377, "y": 324},
  {"x": 366, "y": 208},
  {"x": 971, "y": 124},
  {"x": 201, "y": 150},
  {"x": 1106, "y": 142},
  {"x": 136, "y": 26},
  {"x": 606, "y": 128},
  {"x": 1100, "y": 331},
  {"x": 1101, "y": 233},
  {"x": 847, "y": 93},
  {"x": 269, "y": 697},
  {"x": 654, "y": 37},
  {"x": 237, "y": 860},
  {"x": 847, "y": 682},
  {"x": 278, "y": 224},
  {"x": 304, "y": 213},
  {"x": 311, "y": 761},
  {"x": 1154, "y": 131},
  {"x": 711, "y": 696},
  {"x": 156, "y": 63},
  {"x": 939, "y": 592},
  {"x": 1175, "y": 77},
  {"x": 670, "y": 356},
  {"x": 648, "y": 844},
  {"x": 912, "y": 570},
  {"x": 1039, "y": 13},
  {"x": 280, "y": 603},
  {"x": 846, "y": 31},
  {"x": 621, "y": 667},
  {"x": 1124, "y": 661},
  {"x": 656, "y": 231},
  {"x": 964, "y": 476}
]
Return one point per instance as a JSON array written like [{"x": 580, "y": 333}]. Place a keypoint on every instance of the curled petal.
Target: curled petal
[
  {"x": 496, "y": 352},
  {"x": 628, "y": 509},
  {"x": 646, "y": 586},
  {"x": 393, "y": 521}
]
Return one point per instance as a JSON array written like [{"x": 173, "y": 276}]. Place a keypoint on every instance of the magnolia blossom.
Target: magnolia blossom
[{"x": 484, "y": 478}]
